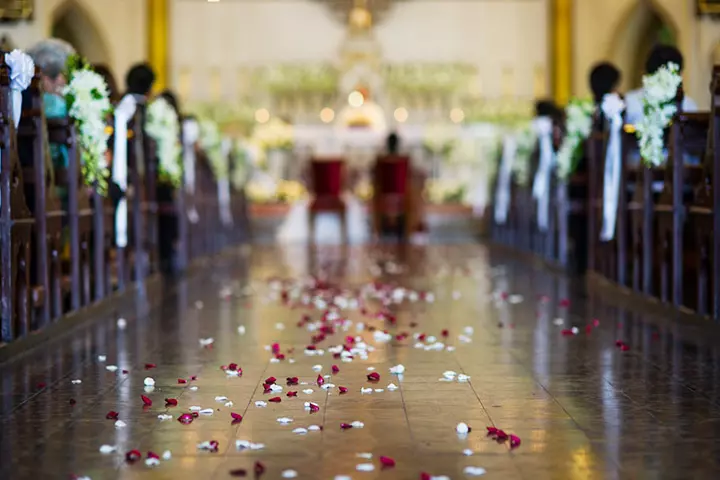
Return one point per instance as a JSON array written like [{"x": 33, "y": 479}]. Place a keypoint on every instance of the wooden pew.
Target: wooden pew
[{"x": 16, "y": 224}]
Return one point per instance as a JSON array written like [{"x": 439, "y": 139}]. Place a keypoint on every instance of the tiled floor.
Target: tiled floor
[{"x": 582, "y": 406}]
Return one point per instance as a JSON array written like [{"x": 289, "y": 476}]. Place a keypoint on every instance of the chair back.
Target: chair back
[
  {"x": 392, "y": 175},
  {"x": 327, "y": 177}
]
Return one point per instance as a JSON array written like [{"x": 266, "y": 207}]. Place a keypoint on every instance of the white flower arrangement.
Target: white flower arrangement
[
  {"x": 526, "y": 139},
  {"x": 274, "y": 135},
  {"x": 211, "y": 143},
  {"x": 88, "y": 102},
  {"x": 578, "y": 127},
  {"x": 443, "y": 191},
  {"x": 22, "y": 70},
  {"x": 163, "y": 126},
  {"x": 659, "y": 92}
]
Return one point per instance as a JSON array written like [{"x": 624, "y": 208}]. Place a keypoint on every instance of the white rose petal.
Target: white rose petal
[
  {"x": 241, "y": 330},
  {"x": 462, "y": 378},
  {"x": 289, "y": 474},
  {"x": 474, "y": 471},
  {"x": 357, "y": 424},
  {"x": 164, "y": 416},
  {"x": 204, "y": 342},
  {"x": 193, "y": 388},
  {"x": 284, "y": 420},
  {"x": 392, "y": 387},
  {"x": 467, "y": 452},
  {"x": 365, "y": 455},
  {"x": 105, "y": 449},
  {"x": 152, "y": 462},
  {"x": 397, "y": 369},
  {"x": 76, "y": 382},
  {"x": 149, "y": 381},
  {"x": 365, "y": 467},
  {"x": 206, "y": 411},
  {"x": 121, "y": 323},
  {"x": 314, "y": 428},
  {"x": 558, "y": 321},
  {"x": 221, "y": 398},
  {"x": 300, "y": 431},
  {"x": 120, "y": 424},
  {"x": 195, "y": 408},
  {"x": 462, "y": 428},
  {"x": 111, "y": 368},
  {"x": 308, "y": 391},
  {"x": 102, "y": 358},
  {"x": 366, "y": 390},
  {"x": 167, "y": 455}
]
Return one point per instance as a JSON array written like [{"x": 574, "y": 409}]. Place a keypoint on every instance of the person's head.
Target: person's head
[
  {"x": 170, "y": 97},
  {"x": 51, "y": 55},
  {"x": 604, "y": 79},
  {"x": 662, "y": 55},
  {"x": 546, "y": 108},
  {"x": 105, "y": 72},
  {"x": 393, "y": 143},
  {"x": 140, "y": 79}
]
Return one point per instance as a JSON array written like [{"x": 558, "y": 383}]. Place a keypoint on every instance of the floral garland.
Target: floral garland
[
  {"x": 211, "y": 142},
  {"x": 578, "y": 126},
  {"x": 88, "y": 102},
  {"x": 163, "y": 126},
  {"x": 659, "y": 92}
]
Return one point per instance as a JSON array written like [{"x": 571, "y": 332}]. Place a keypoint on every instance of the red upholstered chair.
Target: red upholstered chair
[
  {"x": 327, "y": 183},
  {"x": 392, "y": 198}
]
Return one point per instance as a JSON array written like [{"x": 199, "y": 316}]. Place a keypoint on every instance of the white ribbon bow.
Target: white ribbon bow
[
  {"x": 502, "y": 192},
  {"x": 124, "y": 112},
  {"x": 22, "y": 70},
  {"x": 612, "y": 107},
  {"x": 541, "y": 184},
  {"x": 190, "y": 136},
  {"x": 224, "y": 188}
]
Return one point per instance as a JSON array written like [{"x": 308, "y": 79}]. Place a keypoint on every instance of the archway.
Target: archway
[
  {"x": 72, "y": 23},
  {"x": 643, "y": 27}
]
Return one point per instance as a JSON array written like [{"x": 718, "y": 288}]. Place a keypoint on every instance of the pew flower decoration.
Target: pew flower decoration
[
  {"x": 659, "y": 92},
  {"x": 88, "y": 103},
  {"x": 22, "y": 69},
  {"x": 526, "y": 142},
  {"x": 445, "y": 191},
  {"x": 163, "y": 126},
  {"x": 578, "y": 126},
  {"x": 211, "y": 143}
]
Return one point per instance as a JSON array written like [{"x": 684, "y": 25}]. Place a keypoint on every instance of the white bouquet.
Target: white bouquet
[
  {"x": 578, "y": 126},
  {"x": 163, "y": 126},
  {"x": 211, "y": 142},
  {"x": 88, "y": 102},
  {"x": 659, "y": 91}
]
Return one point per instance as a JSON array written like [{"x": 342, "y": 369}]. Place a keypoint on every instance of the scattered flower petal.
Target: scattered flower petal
[
  {"x": 149, "y": 382},
  {"x": 106, "y": 449},
  {"x": 474, "y": 471},
  {"x": 387, "y": 462},
  {"x": 365, "y": 467},
  {"x": 275, "y": 400},
  {"x": 146, "y": 400}
]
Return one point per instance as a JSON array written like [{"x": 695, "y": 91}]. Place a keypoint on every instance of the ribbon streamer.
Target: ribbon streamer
[
  {"x": 612, "y": 107},
  {"x": 124, "y": 112},
  {"x": 541, "y": 184},
  {"x": 502, "y": 193},
  {"x": 224, "y": 188}
]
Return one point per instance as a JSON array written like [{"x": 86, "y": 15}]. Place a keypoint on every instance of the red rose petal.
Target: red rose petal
[
  {"x": 491, "y": 431},
  {"x": 238, "y": 472},
  {"x": 320, "y": 380},
  {"x": 624, "y": 347},
  {"x": 270, "y": 380},
  {"x": 146, "y": 400},
  {"x": 41, "y": 385},
  {"x": 292, "y": 394},
  {"x": 275, "y": 348},
  {"x": 112, "y": 415},
  {"x": 425, "y": 476},
  {"x": 314, "y": 407},
  {"x": 153, "y": 455},
  {"x": 182, "y": 381},
  {"x": 445, "y": 333},
  {"x": 387, "y": 462},
  {"x": 150, "y": 366},
  {"x": 267, "y": 388},
  {"x": 275, "y": 400},
  {"x": 292, "y": 380},
  {"x": 171, "y": 402},
  {"x": 596, "y": 322},
  {"x": 373, "y": 377},
  {"x": 125, "y": 372},
  {"x": 259, "y": 469},
  {"x": 186, "y": 418},
  {"x": 566, "y": 332},
  {"x": 194, "y": 377},
  {"x": 133, "y": 456},
  {"x": 588, "y": 329},
  {"x": 343, "y": 390},
  {"x": 501, "y": 436},
  {"x": 335, "y": 369},
  {"x": 280, "y": 356},
  {"x": 514, "y": 441},
  {"x": 232, "y": 367},
  {"x": 345, "y": 426},
  {"x": 73, "y": 401},
  {"x": 564, "y": 303}
]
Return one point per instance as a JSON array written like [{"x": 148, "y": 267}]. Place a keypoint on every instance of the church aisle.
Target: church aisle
[{"x": 582, "y": 389}]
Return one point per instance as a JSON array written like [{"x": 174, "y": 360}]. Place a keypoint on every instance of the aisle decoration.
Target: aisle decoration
[
  {"x": 659, "y": 92},
  {"x": 541, "y": 183},
  {"x": 163, "y": 126},
  {"x": 22, "y": 70},
  {"x": 88, "y": 102},
  {"x": 578, "y": 125},
  {"x": 211, "y": 143},
  {"x": 503, "y": 190},
  {"x": 612, "y": 107},
  {"x": 526, "y": 142}
]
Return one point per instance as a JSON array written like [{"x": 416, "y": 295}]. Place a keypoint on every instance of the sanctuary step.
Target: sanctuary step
[{"x": 582, "y": 387}]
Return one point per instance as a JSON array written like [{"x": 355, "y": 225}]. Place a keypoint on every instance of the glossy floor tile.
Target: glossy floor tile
[{"x": 588, "y": 389}]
